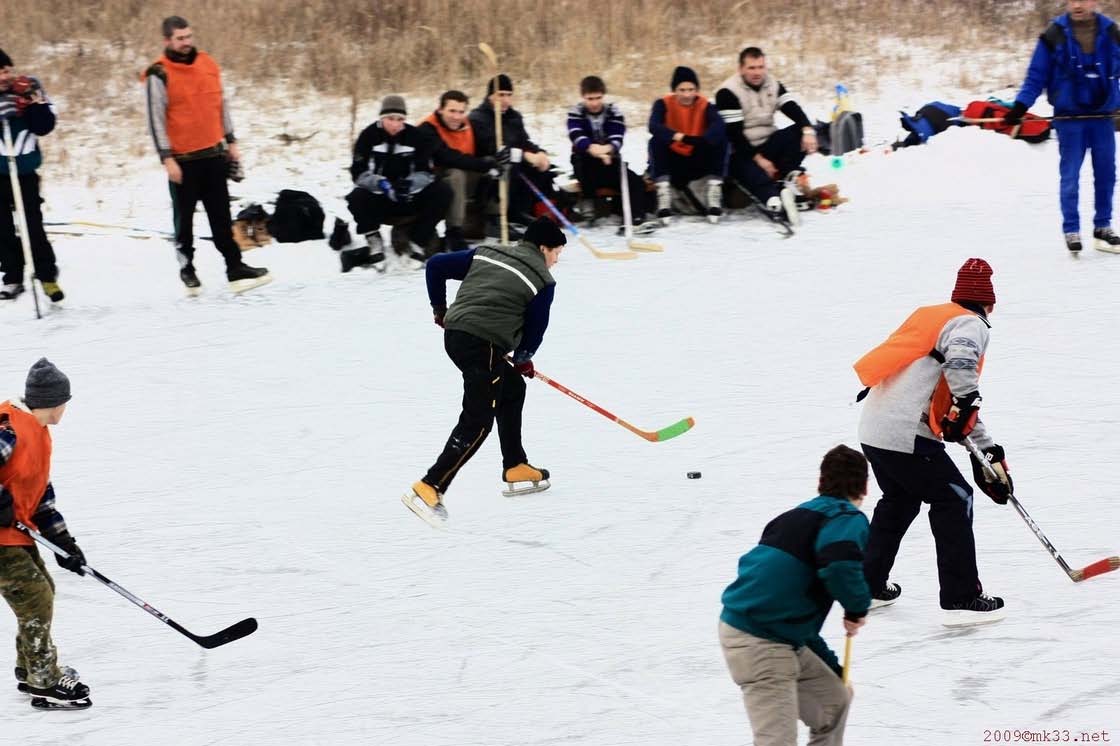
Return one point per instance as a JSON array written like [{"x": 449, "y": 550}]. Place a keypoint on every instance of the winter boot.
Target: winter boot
[
  {"x": 983, "y": 609},
  {"x": 190, "y": 280},
  {"x": 887, "y": 596},
  {"x": 11, "y": 291},
  {"x": 525, "y": 473},
  {"x": 427, "y": 503},
  {"x": 1104, "y": 239},
  {"x": 242, "y": 277},
  {"x": 340, "y": 236},
  {"x": 68, "y": 693},
  {"x": 715, "y": 200},
  {"x": 53, "y": 291},
  {"x": 376, "y": 247},
  {"x": 243, "y": 235},
  {"x": 1073, "y": 242},
  {"x": 664, "y": 202}
]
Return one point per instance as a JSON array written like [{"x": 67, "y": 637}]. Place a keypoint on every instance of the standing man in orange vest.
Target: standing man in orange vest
[
  {"x": 26, "y": 495},
  {"x": 190, "y": 123},
  {"x": 924, "y": 388},
  {"x": 688, "y": 148}
]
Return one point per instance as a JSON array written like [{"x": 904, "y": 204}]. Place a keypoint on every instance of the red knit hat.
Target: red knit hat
[{"x": 974, "y": 283}]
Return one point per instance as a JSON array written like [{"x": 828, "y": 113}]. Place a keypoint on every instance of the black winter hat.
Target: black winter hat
[
  {"x": 504, "y": 84},
  {"x": 683, "y": 74},
  {"x": 545, "y": 232},
  {"x": 46, "y": 387},
  {"x": 393, "y": 104},
  {"x": 5, "y": 60}
]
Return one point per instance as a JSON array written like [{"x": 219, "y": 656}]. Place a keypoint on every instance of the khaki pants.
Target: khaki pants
[
  {"x": 780, "y": 685},
  {"x": 463, "y": 185},
  {"x": 29, "y": 590}
]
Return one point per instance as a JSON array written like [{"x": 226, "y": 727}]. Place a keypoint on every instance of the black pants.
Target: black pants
[
  {"x": 492, "y": 389},
  {"x": 592, "y": 174},
  {"x": 783, "y": 149},
  {"x": 681, "y": 169},
  {"x": 429, "y": 206},
  {"x": 11, "y": 251},
  {"x": 203, "y": 180},
  {"x": 908, "y": 480}
]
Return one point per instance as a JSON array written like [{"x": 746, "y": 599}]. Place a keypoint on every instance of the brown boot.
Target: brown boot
[
  {"x": 243, "y": 235},
  {"x": 260, "y": 233}
]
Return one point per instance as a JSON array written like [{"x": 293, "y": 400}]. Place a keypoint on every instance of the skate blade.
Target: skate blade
[
  {"x": 879, "y": 603},
  {"x": 1105, "y": 246},
  {"x": 515, "y": 491},
  {"x": 963, "y": 618},
  {"x": 42, "y": 703},
  {"x": 193, "y": 292},
  {"x": 423, "y": 511},
  {"x": 237, "y": 287}
]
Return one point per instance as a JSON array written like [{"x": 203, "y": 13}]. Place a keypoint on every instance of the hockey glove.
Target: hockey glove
[
  {"x": 66, "y": 542},
  {"x": 26, "y": 93},
  {"x": 438, "y": 312},
  {"x": 525, "y": 367},
  {"x": 7, "y": 512},
  {"x": 1000, "y": 488},
  {"x": 1015, "y": 115},
  {"x": 961, "y": 417}
]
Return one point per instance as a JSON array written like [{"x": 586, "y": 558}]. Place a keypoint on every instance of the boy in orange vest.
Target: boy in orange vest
[
  {"x": 924, "y": 388},
  {"x": 26, "y": 495},
  {"x": 688, "y": 148}
]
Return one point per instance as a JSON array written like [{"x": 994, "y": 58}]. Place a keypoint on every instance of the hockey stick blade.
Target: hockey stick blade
[
  {"x": 658, "y": 436},
  {"x": 488, "y": 50},
  {"x": 1108, "y": 564},
  {"x": 244, "y": 628}
]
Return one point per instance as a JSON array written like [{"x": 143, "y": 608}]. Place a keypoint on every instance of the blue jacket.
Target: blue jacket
[
  {"x": 1075, "y": 82},
  {"x": 807, "y": 557}
]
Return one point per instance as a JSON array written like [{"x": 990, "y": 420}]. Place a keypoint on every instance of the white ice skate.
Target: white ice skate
[{"x": 530, "y": 478}]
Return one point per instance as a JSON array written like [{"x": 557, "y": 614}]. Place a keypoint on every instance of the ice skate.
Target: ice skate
[
  {"x": 242, "y": 277},
  {"x": 190, "y": 281},
  {"x": 54, "y": 292},
  {"x": 521, "y": 474},
  {"x": 983, "y": 609},
  {"x": 1105, "y": 239},
  {"x": 887, "y": 596},
  {"x": 1073, "y": 243},
  {"x": 715, "y": 200},
  {"x": 789, "y": 205},
  {"x": 68, "y": 693},
  {"x": 21, "y": 676},
  {"x": 665, "y": 202},
  {"x": 426, "y": 503},
  {"x": 11, "y": 291}
]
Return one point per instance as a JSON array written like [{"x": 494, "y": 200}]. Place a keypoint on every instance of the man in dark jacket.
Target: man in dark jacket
[
  {"x": 502, "y": 304},
  {"x": 1077, "y": 61},
  {"x": 392, "y": 172},
  {"x": 523, "y": 204},
  {"x": 29, "y": 115},
  {"x": 773, "y": 612}
]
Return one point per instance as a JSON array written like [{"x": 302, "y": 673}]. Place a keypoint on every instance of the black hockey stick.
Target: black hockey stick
[
  {"x": 780, "y": 222},
  {"x": 234, "y": 632}
]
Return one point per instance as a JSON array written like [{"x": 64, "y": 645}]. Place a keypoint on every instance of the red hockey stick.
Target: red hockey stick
[{"x": 1108, "y": 564}]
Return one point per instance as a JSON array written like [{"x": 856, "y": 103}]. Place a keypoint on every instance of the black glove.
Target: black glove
[
  {"x": 961, "y": 418},
  {"x": 1015, "y": 115},
  {"x": 502, "y": 157},
  {"x": 7, "y": 512},
  {"x": 998, "y": 489},
  {"x": 66, "y": 543},
  {"x": 438, "y": 313},
  {"x": 234, "y": 170}
]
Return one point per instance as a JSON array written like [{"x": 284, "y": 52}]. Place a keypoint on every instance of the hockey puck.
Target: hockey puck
[{"x": 693, "y": 475}]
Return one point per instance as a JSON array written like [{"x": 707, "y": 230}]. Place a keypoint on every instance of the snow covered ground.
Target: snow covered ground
[{"x": 231, "y": 456}]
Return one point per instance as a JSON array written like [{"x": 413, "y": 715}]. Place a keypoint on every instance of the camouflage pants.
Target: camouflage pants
[{"x": 27, "y": 587}]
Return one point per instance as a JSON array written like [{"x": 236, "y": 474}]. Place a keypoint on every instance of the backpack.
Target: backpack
[{"x": 298, "y": 217}]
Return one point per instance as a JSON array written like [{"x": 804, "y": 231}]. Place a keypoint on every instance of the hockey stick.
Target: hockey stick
[
  {"x": 627, "y": 216},
  {"x": 503, "y": 179},
  {"x": 1108, "y": 564},
  {"x": 1058, "y": 118},
  {"x": 653, "y": 436},
  {"x": 574, "y": 230},
  {"x": 21, "y": 213},
  {"x": 234, "y": 632},
  {"x": 782, "y": 223}
]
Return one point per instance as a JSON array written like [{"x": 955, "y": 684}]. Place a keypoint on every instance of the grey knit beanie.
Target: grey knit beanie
[
  {"x": 47, "y": 386},
  {"x": 392, "y": 104}
]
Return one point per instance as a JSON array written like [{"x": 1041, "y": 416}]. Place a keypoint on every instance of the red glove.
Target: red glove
[
  {"x": 24, "y": 89},
  {"x": 438, "y": 313},
  {"x": 525, "y": 368}
]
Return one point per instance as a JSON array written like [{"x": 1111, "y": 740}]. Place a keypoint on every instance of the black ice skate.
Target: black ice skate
[
  {"x": 1073, "y": 242},
  {"x": 190, "y": 281},
  {"x": 887, "y": 596},
  {"x": 983, "y": 609},
  {"x": 242, "y": 277},
  {"x": 525, "y": 473},
  {"x": 67, "y": 694},
  {"x": 1105, "y": 239}
]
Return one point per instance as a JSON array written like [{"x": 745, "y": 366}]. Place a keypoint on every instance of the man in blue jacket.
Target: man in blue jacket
[
  {"x": 1077, "y": 61},
  {"x": 773, "y": 612},
  {"x": 30, "y": 116}
]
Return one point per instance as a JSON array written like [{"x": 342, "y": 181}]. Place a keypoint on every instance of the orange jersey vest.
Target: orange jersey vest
[
  {"x": 27, "y": 472},
  {"x": 461, "y": 139},
  {"x": 686, "y": 119},
  {"x": 915, "y": 339},
  {"x": 194, "y": 104}
]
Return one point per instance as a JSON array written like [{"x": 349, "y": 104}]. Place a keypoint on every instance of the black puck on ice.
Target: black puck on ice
[{"x": 693, "y": 475}]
